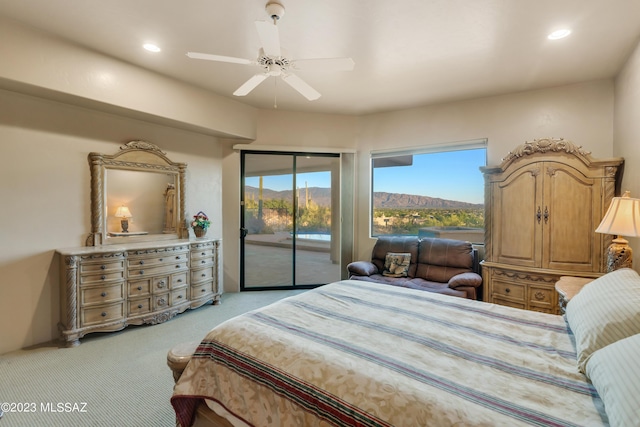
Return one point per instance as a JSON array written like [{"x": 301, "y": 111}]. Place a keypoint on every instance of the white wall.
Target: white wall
[
  {"x": 45, "y": 189},
  {"x": 582, "y": 113},
  {"x": 627, "y": 132}
]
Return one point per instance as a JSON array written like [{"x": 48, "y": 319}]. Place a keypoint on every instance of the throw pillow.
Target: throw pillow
[
  {"x": 604, "y": 311},
  {"x": 396, "y": 264}
]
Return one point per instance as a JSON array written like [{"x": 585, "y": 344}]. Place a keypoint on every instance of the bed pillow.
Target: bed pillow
[
  {"x": 604, "y": 311},
  {"x": 396, "y": 264},
  {"x": 616, "y": 376}
]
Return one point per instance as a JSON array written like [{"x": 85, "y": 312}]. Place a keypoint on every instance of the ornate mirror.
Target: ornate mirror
[{"x": 137, "y": 194}]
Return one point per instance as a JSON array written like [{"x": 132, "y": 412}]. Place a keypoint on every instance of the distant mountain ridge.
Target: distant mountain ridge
[{"x": 322, "y": 197}]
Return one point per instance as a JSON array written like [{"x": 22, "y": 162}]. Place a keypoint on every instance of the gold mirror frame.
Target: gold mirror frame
[{"x": 133, "y": 156}]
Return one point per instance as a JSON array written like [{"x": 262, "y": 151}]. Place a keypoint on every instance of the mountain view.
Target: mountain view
[{"x": 322, "y": 197}]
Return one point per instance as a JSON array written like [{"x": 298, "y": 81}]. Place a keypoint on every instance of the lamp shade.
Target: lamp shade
[
  {"x": 622, "y": 218},
  {"x": 123, "y": 212}
]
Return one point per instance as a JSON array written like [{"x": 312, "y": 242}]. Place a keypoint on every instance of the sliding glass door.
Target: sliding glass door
[{"x": 290, "y": 233}]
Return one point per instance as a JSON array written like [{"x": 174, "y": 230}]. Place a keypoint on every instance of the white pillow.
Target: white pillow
[
  {"x": 615, "y": 374},
  {"x": 604, "y": 311}
]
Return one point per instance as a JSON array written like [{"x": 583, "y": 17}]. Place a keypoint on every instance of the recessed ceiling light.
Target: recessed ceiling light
[
  {"x": 559, "y": 34},
  {"x": 151, "y": 47}
]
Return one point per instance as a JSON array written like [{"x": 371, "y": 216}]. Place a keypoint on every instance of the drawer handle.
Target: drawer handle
[
  {"x": 178, "y": 257},
  {"x": 539, "y": 295},
  {"x": 103, "y": 314},
  {"x": 177, "y": 266},
  {"x": 103, "y": 267},
  {"x": 103, "y": 277},
  {"x": 202, "y": 290},
  {"x": 161, "y": 259},
  {"x": 179, "y": 280},
  {"x": 139, "y": 288},
  {"x": 203, "y": 262},
  {"x": 139, "y": 305},
  {"x": 141, "y": 271},
  {"x": 204, "y": 275},
  {"x": 179, "y": 296},
  {"x": 141, "y": 261},
  {"x": 162, "y": 301},
  {"x": 203, "y": 253},
  {"x": 161, "y": 284},
  {"x": 507, "y": 290},
  {"x": 104, "y": 294}
]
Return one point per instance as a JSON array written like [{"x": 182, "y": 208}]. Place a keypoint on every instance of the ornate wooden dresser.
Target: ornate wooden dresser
[{"x": 106, "y": 288}]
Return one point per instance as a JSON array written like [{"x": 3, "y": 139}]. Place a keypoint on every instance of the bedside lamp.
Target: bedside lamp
[
  {"x": 622, "y": 219},
  {"x": 124, "y": 213}
]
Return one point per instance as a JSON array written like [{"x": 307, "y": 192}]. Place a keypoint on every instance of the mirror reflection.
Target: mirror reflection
[{"x": 149, "y": 199}]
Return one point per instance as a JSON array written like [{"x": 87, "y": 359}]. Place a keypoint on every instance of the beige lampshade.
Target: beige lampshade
[
  {"x": 123, "y": 212},
  {"x": 622, "y": 218}
]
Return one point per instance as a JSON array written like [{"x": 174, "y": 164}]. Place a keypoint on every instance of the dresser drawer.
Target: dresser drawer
[
  {"x": 102, "y": 294},
  {"x": 542, "y": 297},
  {"x": 140, "y": 306},
  {"x": 157, "y": 259},
  {"x": 202, "y": 253},
  {"x": 179, "y": 280},
  {"x": 201, "y": 290},
  {"x": 161, "y": 301},
  {"x": 179, "y": 296},
  {"x": 107, "y": 265},
  {"x": 101, "y": 277},
  {"x": 202, "y": 262},
  {"x": 202, "y": 274},
  {"x": 509, "y": 290},
  {"x": 139, "y": 272},
  {"x": 101, "y": 314},
  {"x": 160, "y": 284},
  {"x": 139, "y": 288}
]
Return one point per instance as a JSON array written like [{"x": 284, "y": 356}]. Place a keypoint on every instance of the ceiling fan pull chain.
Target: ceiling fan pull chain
[{"x": 275, "y": 94}]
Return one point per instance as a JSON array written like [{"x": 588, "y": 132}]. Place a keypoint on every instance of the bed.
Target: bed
[{"x": 355, "y": 353}]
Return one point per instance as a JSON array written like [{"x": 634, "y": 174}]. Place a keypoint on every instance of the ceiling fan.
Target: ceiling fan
[{"x": 275, "y": 62}]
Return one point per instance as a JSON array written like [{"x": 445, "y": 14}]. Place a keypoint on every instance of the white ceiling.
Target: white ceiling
[{"x": 407, "y": 52}]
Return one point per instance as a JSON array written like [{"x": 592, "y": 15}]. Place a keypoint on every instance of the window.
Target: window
[{"x": 435, "y": 191}]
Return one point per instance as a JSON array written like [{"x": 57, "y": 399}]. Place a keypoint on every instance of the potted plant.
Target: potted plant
[{"x": 200, "y": 224}]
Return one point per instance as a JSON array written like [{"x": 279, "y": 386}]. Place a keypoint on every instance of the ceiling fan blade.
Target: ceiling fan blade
[
  {"x": 324, "y": 64},
  {"x": 301, "y": 86},
  {"x": 269, "y": 37},
  {"x": 209, "y": 57},
  {"x": 250, "y": 84}
]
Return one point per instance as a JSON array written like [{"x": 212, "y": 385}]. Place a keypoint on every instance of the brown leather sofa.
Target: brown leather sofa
[{"x": 444, "y": 266}]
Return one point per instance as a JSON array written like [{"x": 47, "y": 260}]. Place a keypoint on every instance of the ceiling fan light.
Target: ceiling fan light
[
  {"x": 151, "y": 47},
  {"x": 274, "y": 70}
]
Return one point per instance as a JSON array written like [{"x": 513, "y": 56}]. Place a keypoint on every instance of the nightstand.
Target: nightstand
[{"x": 567, "y": 287}]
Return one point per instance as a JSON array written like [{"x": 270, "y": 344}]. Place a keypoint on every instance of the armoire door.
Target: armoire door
[
  {"x": 517, "y": 217},
  {"x": 571, "y": 205}
]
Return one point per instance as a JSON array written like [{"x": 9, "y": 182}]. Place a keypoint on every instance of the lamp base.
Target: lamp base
[
  {"x": 125, "y": 225},
  {"x": 619, "y": 255}
]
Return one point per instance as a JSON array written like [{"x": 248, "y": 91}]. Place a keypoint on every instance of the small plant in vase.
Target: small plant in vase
[{"x": 200, "y": 224}]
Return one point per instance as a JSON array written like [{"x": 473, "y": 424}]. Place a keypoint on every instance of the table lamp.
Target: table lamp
[
  {"x": 124, "y": 213},
  {"x": 622, "y": 219}
]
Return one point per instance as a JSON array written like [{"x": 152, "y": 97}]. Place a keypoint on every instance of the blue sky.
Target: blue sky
[{"x": 450, "y": 175}]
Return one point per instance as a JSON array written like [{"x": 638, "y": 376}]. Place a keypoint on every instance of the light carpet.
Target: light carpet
[{"x": 111, "y": 379}]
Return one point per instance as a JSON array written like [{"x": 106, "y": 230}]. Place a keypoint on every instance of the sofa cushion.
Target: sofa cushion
[
  {"x": 397, "y": 244},
  {"x": 441, "y": 259},
  {"x": 396, "y": 264}
]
